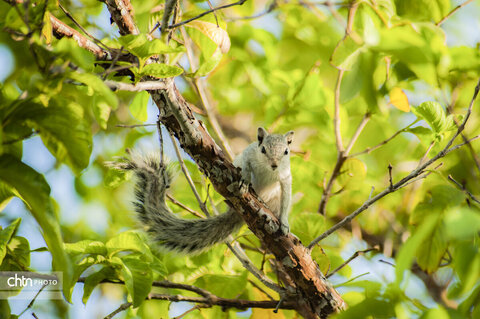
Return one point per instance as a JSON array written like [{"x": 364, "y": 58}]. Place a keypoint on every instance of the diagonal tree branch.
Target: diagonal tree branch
[
  {"x": 121, "y": 13},
  {"x": 416, "y": 172},
  {"x": 314, "y": 295}
]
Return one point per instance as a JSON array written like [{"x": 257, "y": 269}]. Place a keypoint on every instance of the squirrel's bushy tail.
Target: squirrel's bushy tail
[{"x": 165, "y": 228}]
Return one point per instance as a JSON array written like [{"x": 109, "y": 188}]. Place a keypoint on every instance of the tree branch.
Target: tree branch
[
  {"x": 314, "y": 295},
  {"x": 341, "y": 152},
  {"x": 370, "y": 149},
  {"x": 138, "y": 87},
  {"x": 122, "y": 307},
  {"x": 224, "y": 302},
  {"x": 120, "y": 11},
  {"x": 442, "y": 20},
  {"x": 462, "y": 187},
  {"x": 416, "y": 172}
]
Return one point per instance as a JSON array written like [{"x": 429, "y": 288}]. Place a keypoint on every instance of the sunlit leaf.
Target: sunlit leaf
[
  {"x": 139, "y": 106},
  {"x": 218, "y": 35},
  {"x": 399, "y": 99},
  {"x": 434, "y": 115},
  {"x": 5, "y": 236},
  {"x": 161, "y": 70},
  {"x": 138, "y": 279}
]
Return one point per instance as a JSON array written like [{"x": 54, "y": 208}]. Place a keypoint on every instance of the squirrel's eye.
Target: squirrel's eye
[
  {"x": 264, "y": 151},
  {"x": 286, "y": 152}
]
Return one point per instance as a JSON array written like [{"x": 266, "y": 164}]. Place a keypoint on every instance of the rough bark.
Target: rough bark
[{"x": 315, "y": 296}]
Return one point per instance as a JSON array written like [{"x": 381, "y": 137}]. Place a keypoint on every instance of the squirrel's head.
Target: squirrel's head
[{"x": 275, "y": 148}]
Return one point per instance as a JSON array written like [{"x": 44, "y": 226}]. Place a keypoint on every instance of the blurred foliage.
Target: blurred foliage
[{"x": 277, "y": 70}]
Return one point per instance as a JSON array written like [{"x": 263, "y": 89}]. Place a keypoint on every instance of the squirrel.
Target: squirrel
[{"x": 264, "y": 164}]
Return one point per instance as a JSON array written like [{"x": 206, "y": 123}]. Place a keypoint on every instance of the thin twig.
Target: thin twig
[
  {"x": 70, "y": 16},
  {"x": 413, "y": 174},
  {"x": 475, "y": 157},
  {"x": 359, "y": 130},
  {"x": 160, "y": 140},
  {"x": 355, "y": 255},
  {"x": 341, "y": 152},
  {"x": 261, "y": 289},
  {"x": 336, "y": 117},
  {"x": 134, "y": 125},
  {"x": 370, "y": 149},
  {"x": 187, "y": 312},
  {"x": 279, "y": 304},
  {"x": 238, "y": 3},
  {"x": 350, "y": 280},
  {"x": 188, "y": 209},
  {"x": 390, "y": 178},
  {"x": 462, "y": 187},
  {"x": 214, "y": 14},
  {"x": 387, "y": 262},
  {"x": 420, "y": 177},
  {"x": 187, "y": 176},
  {"x": 452, "y": 12},
  {"x": 425, "y": 156},
  {"x": 30, "y": 305},
  {"x": 247, "y": 263},
  {"x": 224, "y": 302},
  {"x": 200, "y": 86},
  {"x": 122, "y": 307},
  {"x": 269, "y": 9}
]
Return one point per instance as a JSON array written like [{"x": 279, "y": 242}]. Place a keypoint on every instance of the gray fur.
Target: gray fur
[
  {"x": 164, "y": 227},
  {"x": 265, "y": 164}
]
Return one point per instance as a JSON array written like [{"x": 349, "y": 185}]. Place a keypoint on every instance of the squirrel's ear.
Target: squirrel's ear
[
  {"x": 261, "y": 133},
  {"x": 289, "y": 137}
]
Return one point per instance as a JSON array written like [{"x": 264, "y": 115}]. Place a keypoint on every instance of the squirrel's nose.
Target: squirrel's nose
[{"x": 274, "y": 166}]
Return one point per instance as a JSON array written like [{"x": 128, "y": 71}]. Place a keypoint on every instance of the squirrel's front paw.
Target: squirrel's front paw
[
  {"x": 245, "y": 184},
  {"x": 285, "y": 228}
]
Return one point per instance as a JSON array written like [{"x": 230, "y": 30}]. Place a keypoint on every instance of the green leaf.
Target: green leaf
[
  {"x": 143, "y": 48},
  {"x": 407, "y": 252},
  {"x": 138, "y": 278},
  {"x": 93, "y": 280},
  {"x": 225, "y": 285},
  {"x": 5, "y": 310},
  {"x": 127, "y": 241},
  {"x": 161, "y": 70},
  {"x": 423, "y": 10},
  {"x": 63, "y": 130},
  {"x": 346, "y": 54},
  {"x": 101, "y": 110},
  {"x": 354, "y": 172},
  {"x": 86, "y": 247},
  {"x": 463, "y": 223},
  {"x": 424, "y": 134},
  {"x": 94, "y": 83},
  {"x": 35, "y": 192},
  {"x": 138, "y": 108},
  {"x": 69, "y": 50},
  {"x": 20, "y": 248},
  {"x": 434, "y": 115},
  {"x": 433, "y": 248},
  {"x": 436, "y": 313},
  {"x": 466, "y": 263},
  {"x": 5, "y": 236},
  {"x": 30, "y": 185},
  {"x": 6, "y": 193},
  {"x": 209, "y": 64},
  {"x": 471, "y": 301},
  {"x": 368, "y": 308}
]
